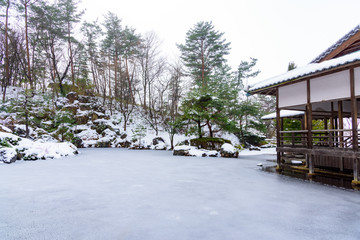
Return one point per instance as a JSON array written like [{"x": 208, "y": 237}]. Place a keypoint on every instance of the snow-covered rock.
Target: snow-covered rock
[
  {"x": 8, "y": 155},
  {"x": 229, "y": 151},
  {"x": 27, "y": 149},
  {"x": 184, "y": 150}
]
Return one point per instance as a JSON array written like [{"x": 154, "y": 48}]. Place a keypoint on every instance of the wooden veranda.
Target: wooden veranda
[{"x": 328, "y": 89}]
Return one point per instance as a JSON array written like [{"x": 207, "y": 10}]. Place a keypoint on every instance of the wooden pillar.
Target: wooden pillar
[
  {"x": 341, "y": 124},
  {"x": 309, "y": 156},
  {"x": 303, "y": 127},
  {"x": 326, "y": 123},
  {"x": 278, "y": 126},
  {"x": 311, "y": 164},
  {"x": 309, "y": 116},
  {"x": 355, "y": 138},
  {"x": 356, "y": 171},
  {"x": 331, "y": 133},
  {"x": 341, "y": 164},
  {"x": 354, "y": 113}
]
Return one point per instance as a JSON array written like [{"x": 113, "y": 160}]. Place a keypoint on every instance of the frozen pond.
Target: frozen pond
[{"x": 127, "y": 194}]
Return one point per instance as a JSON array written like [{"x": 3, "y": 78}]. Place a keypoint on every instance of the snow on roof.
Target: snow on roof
[
  {"x": 336, "y": 45},
  {"x": 283, "y": 113},
  {"x": 306, "y": 70}
]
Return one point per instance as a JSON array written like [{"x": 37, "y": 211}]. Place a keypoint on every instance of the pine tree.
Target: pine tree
[{"x": 203, "y": 52}]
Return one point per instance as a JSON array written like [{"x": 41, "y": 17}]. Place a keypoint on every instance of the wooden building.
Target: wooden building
[{"x": 329, "y": 89}]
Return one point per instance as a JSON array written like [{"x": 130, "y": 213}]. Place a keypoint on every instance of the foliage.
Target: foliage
[
  {"x": 203, "y": 52},
  {"x": 138, "y": 133},
  {"x": 210, "y": 143}
]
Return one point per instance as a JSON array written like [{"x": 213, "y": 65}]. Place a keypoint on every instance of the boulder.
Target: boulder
[
  {"x": 182, "y": 150},
  {"x": 123, "y": 136},
  {"x": 103, "y": 144},
  {"x": 8, "y": 155},
  {"x": 85, "y": 106},
  {"x": 159, "y": 143},
  {"x": 70, "y": 108},
  {"x": 124, "y": 144},
  {"x": 72, "y": 96},
  {"x": 81, "y": 119},
  {"x": 78, "y": 142},
  {"x": 157, "y": 140},
  {"x": 228, "y": 151}
]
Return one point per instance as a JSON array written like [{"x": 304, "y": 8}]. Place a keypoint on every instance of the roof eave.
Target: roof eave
[{"x": 271, "y": 88}]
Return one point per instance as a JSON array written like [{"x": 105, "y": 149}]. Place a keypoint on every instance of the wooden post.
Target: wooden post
[
  {"x": 332, "y": 119},
  {"x": 278, "y": 125},
  {"x": 341, "y": 124},
  {"x": 309, "y": 128},
  {"x": 356, "y": 171},
  {"x": 325, "y": 123},
  {"x": 354, "y": 114},
  {"x": 303, "y": 127},
  {"x": 341, "y": 164},
  {"x": 307, "y": 160},
  {"x": 311, "y": 165},
  {"x": 355, "y": 138},
  {"x": 309, "y": 116}
]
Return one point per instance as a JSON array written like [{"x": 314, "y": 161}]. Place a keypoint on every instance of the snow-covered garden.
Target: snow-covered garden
[{"x": 140, "y": 194}]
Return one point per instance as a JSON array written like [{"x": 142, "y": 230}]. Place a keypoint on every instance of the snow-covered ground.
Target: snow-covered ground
[{"x": 134, "y": 194}]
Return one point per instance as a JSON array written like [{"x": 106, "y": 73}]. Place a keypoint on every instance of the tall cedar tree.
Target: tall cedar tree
[{"x": 203, "y": 52}]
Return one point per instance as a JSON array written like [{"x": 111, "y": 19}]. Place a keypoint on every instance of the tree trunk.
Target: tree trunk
[
  {"x": 7, "y": 72},
  {"x": 116, "y": 95},
  {"x": 210, "y": 128},
  {"x": 27, "y": 45},
  {"x": 202, "y": 64},
  {"x": 199, "y": 128},
  {"x": 71, "y": 58},
  {"x": 128, "y": 78}
]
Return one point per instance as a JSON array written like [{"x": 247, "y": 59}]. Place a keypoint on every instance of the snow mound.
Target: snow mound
[
  {"x": 227, "y": 147},
  {"x": 13, "y": 147}
]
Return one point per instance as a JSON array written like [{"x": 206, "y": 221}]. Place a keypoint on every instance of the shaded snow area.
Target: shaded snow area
[{"x": 122, "y": 194}]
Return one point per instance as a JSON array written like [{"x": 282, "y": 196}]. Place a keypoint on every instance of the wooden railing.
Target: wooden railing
[{"x": 321, "y": 138}]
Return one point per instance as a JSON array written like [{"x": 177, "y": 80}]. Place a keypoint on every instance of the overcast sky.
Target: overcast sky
[{"x": 273, "y": 31}]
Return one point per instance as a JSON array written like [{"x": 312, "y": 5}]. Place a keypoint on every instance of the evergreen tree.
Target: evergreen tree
[
  {"x": 71, "y": 16},
  {"x": 291, "y": 66},
  {"x": 203, "y": 52}
]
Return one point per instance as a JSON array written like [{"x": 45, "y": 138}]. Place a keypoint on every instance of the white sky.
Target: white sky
[{"x": 273, "y": 31}]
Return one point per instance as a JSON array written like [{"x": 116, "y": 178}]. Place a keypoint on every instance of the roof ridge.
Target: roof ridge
[{"x": 351, "y": 33}]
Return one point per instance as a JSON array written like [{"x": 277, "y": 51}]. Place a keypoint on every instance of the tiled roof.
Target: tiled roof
[
  {"x": 306, "y": 70},
  {"x": 337, "y": 44}
]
